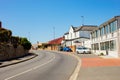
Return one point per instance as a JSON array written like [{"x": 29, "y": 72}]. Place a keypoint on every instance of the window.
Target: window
[
  {"x": 106, "y": 29},
  {"x": 96, "y": 46},
  {"x": 102, "y": 46},
  {"x": 96, "y": 34},
  {"x": 112, "y": 45},
  {"x": 113, "y": 26},
  {"x": 102, "y": 31},
  {"x": 107, "y": 45}
]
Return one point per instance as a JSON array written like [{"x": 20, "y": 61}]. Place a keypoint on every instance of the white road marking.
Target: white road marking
[
  {"x": 74, "y": 76},
  {"x": 31, "y": 69}
]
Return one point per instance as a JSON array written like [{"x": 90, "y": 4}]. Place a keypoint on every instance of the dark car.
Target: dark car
[{"x": 67, "y": 49}]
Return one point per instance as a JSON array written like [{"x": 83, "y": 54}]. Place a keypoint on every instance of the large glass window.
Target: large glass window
[
  {"x": 96, "y": 46},
  {"x": 107, "y": 45},
  {"x": 102, "y": 46},
  {"x": 113, "y": 26},
  {"x": 96, "y": 33},
  {"x": 112, "y": 45},
  {"x": 106, "y": 29},
  {"x": 102, "y": 31}
]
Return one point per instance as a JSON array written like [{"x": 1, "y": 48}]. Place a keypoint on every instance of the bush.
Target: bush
[
  {"x": 5, "y": 35},
  {"x": 25, "y": 43},
  {"x": 101, "y": 54}
]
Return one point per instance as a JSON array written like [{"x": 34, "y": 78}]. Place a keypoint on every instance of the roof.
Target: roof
[
  {"x": 56, "y": 41},
  {"x": 86, "y": 28},
  {"x": 109, "y": 21}
]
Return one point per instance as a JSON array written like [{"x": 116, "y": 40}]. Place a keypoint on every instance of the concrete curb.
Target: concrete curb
[
  {"x": 74, "y": 76},
  {"x": 19, "y": 61}
]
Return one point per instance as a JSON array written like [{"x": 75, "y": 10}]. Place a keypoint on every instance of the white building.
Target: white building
[
  {"x": 79, "y": 36},
  {"x": 106, "y": 39}
]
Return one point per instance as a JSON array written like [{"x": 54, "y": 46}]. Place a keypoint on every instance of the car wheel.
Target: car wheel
[
  {"x": 84, "y": 52},
  {"x": 77, "y": 52}
]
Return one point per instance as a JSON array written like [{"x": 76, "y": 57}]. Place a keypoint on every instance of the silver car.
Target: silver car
[{"x": 83, "y": 50}]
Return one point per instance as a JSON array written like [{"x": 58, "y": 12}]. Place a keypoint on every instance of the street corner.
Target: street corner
[{"x": 100, "y": 62}]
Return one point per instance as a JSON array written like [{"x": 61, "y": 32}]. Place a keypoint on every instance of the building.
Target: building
[
  {"x": 78, "y": 35},
  {"x": 106, "y": 39},
  {"x": 55, "y": 44}
]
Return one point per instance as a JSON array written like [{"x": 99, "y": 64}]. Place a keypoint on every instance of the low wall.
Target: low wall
[
  {"x": 7, "y": 51},
  {"x": 73, "y": 48}
]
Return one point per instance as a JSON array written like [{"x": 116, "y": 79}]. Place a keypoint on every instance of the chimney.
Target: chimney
[{"x": 0, "y": 24}]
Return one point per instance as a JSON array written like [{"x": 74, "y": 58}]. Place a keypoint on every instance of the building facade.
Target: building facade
[
  {"x": 106, "y": 39},
  {"x": 76, "y": 36}
]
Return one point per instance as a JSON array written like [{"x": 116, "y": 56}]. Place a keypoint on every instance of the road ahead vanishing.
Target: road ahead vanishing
[{"x": 46, "y": 66}]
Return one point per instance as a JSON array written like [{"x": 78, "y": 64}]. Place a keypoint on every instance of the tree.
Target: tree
[{"x": 25, "y": 43}]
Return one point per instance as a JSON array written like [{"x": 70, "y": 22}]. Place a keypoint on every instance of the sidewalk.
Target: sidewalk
[
  {"x": 18, "y": 60},
  {"x": 99, "y": 68}
]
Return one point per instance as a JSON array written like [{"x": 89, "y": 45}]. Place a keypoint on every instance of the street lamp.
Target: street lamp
[{"x": 82, "y": 20}]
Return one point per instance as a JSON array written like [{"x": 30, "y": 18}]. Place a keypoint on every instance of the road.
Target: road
[{"x": 46, "y": 66}]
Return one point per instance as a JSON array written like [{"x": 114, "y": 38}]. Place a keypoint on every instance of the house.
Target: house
[
  {"x": 55, "y": 44},
  {"x": 106, "y": 39},
  {"x": 78, "y": 35}
]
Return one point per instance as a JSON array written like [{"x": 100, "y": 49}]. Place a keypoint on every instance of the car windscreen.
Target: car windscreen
[
  {"x": 85, "y": 48},
  {"x": 79, "y": 48}
]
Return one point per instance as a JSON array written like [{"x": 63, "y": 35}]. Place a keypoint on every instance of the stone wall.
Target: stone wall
[{"x": 7, "y": 51}]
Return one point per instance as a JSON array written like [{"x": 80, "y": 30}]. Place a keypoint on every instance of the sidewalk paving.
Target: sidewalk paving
[
  {"x": 18, "y": 60},
  {"x": 98, "y": 68}
]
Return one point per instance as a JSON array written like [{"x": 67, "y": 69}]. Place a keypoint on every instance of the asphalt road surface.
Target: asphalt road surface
[{"x": 46, "y": 66}]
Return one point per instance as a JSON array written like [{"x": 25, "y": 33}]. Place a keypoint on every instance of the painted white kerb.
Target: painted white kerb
[{"x": 74, "y": 76}]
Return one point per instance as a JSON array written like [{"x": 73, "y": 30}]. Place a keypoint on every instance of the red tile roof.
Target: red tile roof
[{"x": 56, "y": 41}]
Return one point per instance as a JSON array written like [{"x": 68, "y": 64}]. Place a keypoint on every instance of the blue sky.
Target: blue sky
[{"x": 35, "y": 19}]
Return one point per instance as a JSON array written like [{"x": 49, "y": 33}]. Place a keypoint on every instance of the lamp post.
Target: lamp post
[{"x": 82, "y": 20}]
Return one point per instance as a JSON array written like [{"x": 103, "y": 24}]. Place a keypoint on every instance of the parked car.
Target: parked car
[
  {"x": 60, "y": 48},
  {"x": 83, "y": 50},
  {"x": 67, "y": 49}
]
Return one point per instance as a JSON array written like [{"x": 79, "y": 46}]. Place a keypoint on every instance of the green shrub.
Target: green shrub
[
  {"x": 101, "y": 54},
  {"x": 25, "y": 43},
  {"x": 5, "y": 35},
  {"x": 15, "y": 41}
]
